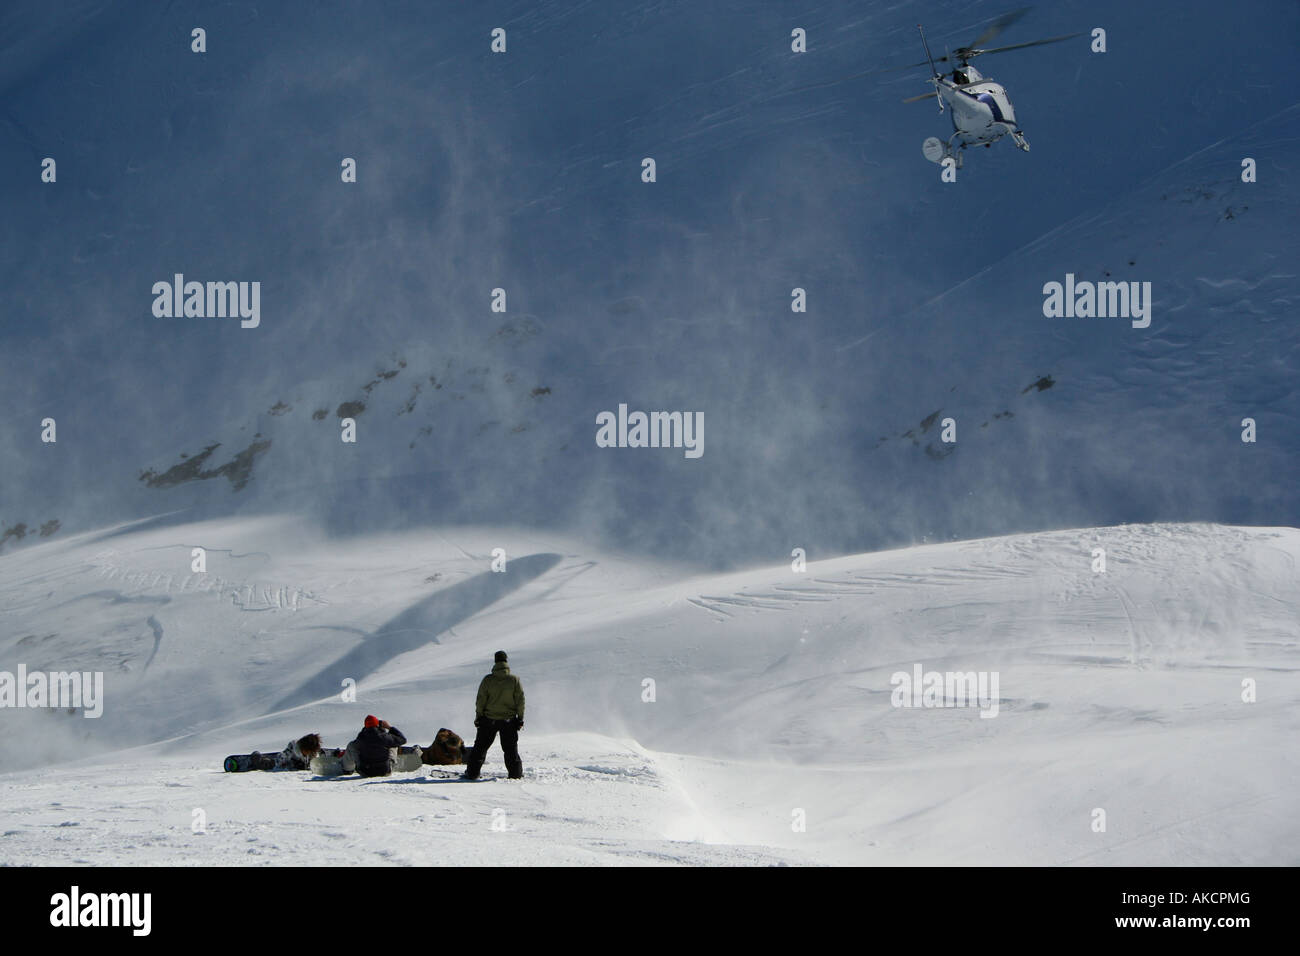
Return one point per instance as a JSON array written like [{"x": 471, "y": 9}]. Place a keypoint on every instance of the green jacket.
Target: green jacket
[{"x": 500, "y": 695}]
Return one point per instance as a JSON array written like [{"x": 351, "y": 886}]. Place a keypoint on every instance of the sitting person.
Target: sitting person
[
  {"x": 372, "y": 753},
  {"x": 447, "y": 748},
  {"x": 297, "y": 756}
]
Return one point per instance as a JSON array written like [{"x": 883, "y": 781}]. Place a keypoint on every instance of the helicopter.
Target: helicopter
[{"x": 980, "y": 109}]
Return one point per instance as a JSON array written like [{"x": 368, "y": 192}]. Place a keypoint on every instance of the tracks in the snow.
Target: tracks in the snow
[{"x": 825, "y": 589}]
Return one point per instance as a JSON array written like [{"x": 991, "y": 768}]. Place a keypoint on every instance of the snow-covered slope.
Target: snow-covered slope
[{"x": 1120, "y": 690}]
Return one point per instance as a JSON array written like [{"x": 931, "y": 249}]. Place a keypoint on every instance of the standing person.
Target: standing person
[
  {"x": 499, "y": 709},
  {"x": 374, "y": 749}
]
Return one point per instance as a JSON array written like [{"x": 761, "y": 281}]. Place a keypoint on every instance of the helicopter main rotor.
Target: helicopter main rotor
[{"x": 964, "y": 54}]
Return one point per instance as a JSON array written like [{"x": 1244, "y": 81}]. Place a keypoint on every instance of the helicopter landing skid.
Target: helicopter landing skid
[{"x": 958, "y": 153}]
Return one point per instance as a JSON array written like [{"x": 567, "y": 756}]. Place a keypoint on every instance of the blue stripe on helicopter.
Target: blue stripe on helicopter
[{"x": 988, "y": 100}]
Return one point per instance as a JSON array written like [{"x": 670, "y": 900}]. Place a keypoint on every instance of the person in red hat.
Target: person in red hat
[{"x": 373, "y": 751}]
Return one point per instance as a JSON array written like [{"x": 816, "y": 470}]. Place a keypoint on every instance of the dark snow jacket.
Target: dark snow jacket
[
  {"x": 500, "y": 695},
  {"x": 375, "y": 748}
]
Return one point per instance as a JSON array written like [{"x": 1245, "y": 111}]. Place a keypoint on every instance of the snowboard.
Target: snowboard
[
  {"x": 243, "y": 763},
  {"x": 409, "y": 759},
  {"x": 447, "y": 773},
  {"x": 329, "y": 762},
  {"x": 457, "y": 776}
]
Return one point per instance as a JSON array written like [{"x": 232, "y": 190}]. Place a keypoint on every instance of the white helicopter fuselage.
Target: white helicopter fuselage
[{"x": 980, "y": 110}]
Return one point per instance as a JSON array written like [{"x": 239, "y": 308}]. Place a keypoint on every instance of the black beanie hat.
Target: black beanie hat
[{"x": 500, "y": 657}]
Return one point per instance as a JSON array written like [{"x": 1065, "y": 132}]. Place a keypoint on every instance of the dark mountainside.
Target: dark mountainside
[{"x": 522, "y": 171}]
